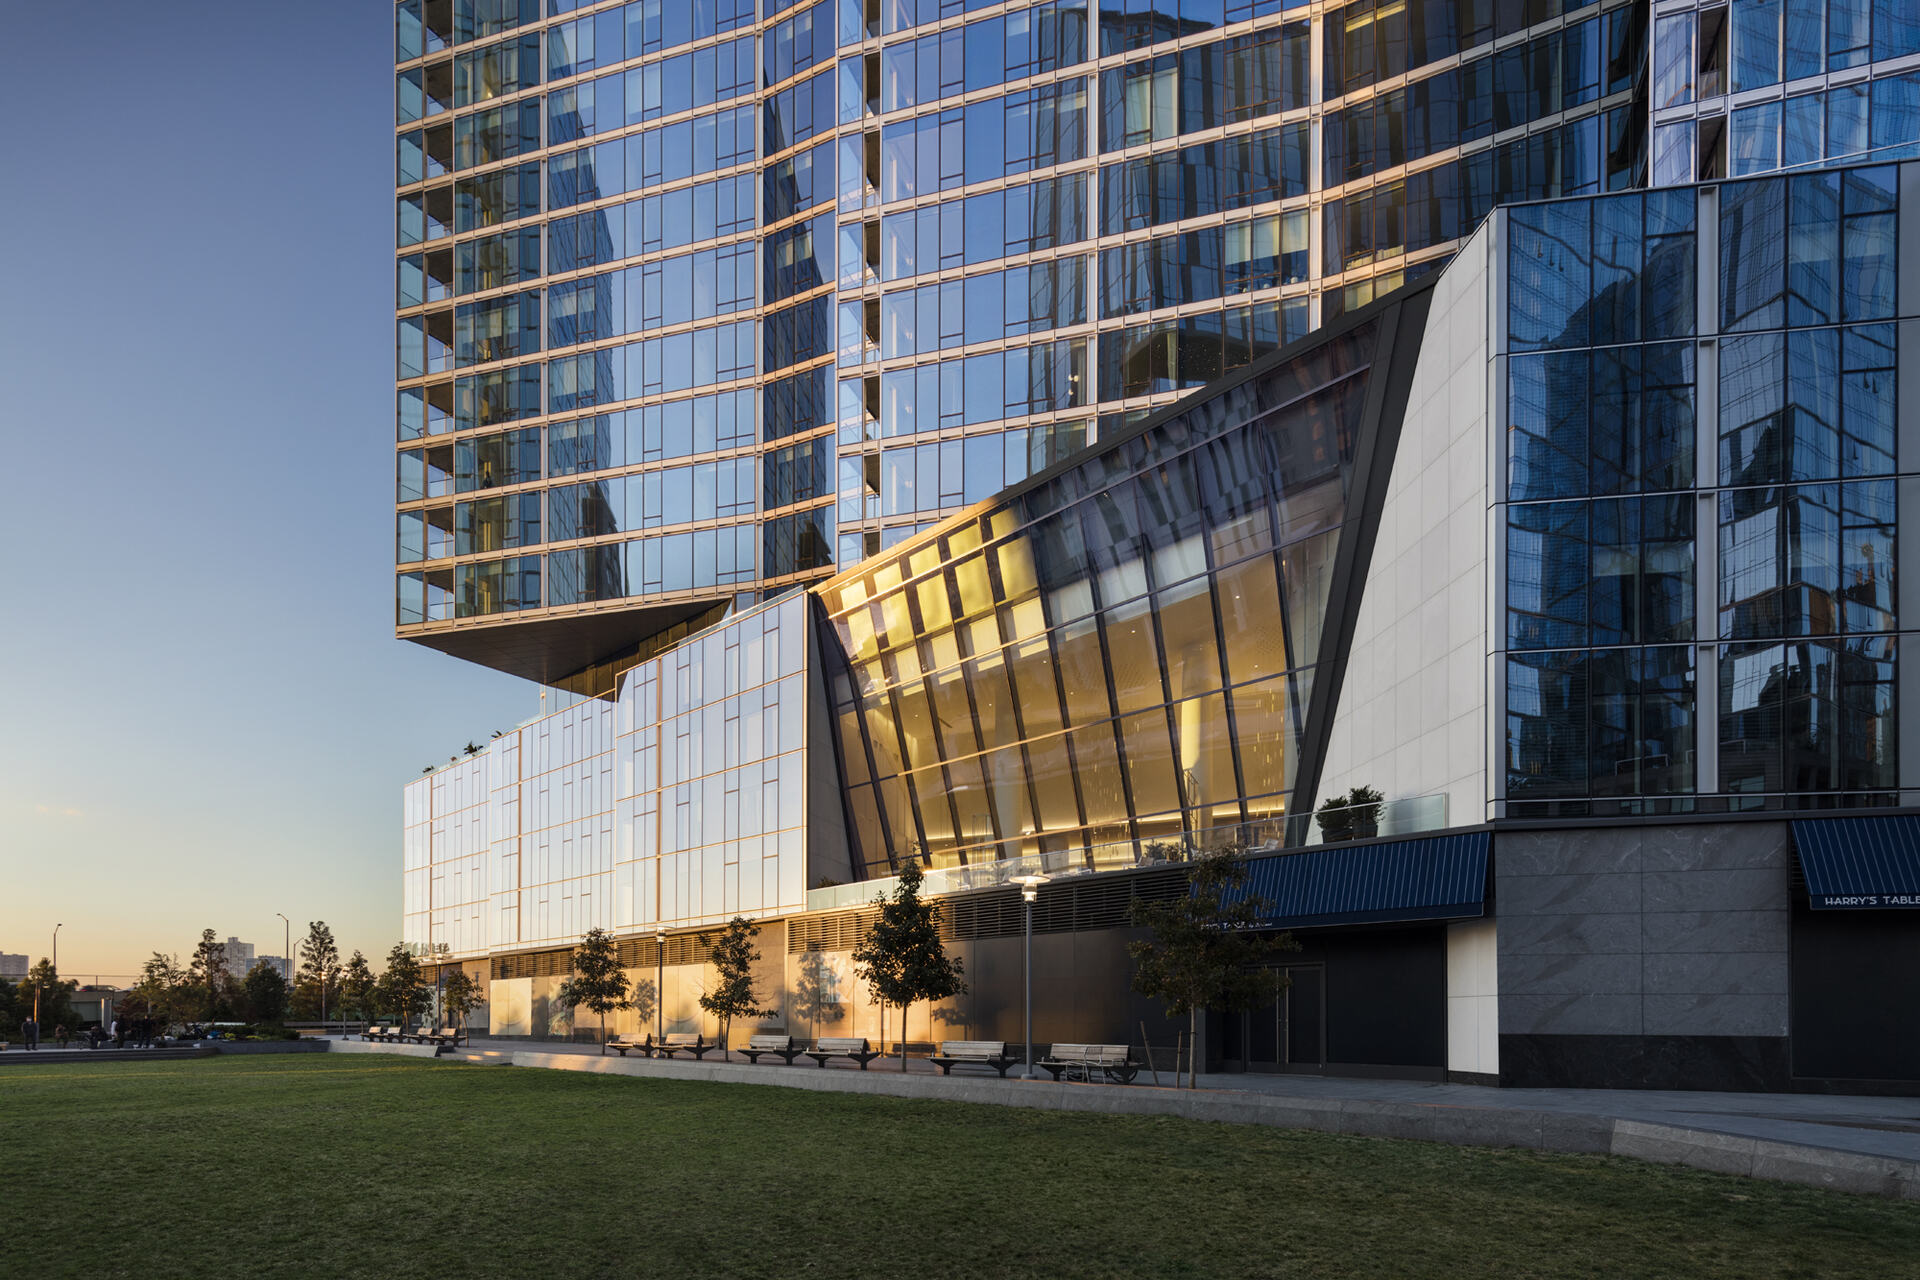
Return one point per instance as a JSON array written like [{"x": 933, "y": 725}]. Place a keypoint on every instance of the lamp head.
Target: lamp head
[{"x": 1030, "y": 886}]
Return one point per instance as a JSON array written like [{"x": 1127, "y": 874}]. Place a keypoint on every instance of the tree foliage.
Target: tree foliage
[
  {"x": 597, "y": 981},
  {"x": 162, "y": 989},
  {"x": 357, "y": 986},
  {"x": 733, "y": 995},
  {"x": 902, "y": 959},
  {"x": 209, "y": 981},
  {"x": 1355, "y": 815},
  {"x": 44, "y": 989},
  {"x": 460, "y": 995},
  {"x": 402, "y": 992},
  {"x": 1207, "y": 948},
  {"x": 317, "y": 985},
  {"x": 264, "y": 990}
]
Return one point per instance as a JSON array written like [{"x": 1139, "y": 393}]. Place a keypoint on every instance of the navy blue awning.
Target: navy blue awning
[
  {"x": 1428, "y": 878},
  {"x": 1860, "y": 863}
]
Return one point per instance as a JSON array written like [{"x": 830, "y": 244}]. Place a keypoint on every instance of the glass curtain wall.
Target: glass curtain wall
[
  {"x": 1624, "y": 691},
  {"x": 726, "y": 296},
  {"x": 1122, "y": 652}
]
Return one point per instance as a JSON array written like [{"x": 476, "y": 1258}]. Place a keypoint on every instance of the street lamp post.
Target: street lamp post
[
  {"x": 1029, "y": 890},
  {"x": 660, "y": 986},
  {"x": 286, "y": 944},
  {"x": 56, "y": 972}
]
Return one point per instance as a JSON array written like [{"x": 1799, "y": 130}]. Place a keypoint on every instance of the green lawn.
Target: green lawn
[{"x": 364, "y": 1166}]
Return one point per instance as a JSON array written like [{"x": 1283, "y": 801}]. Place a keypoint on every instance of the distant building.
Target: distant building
[
  {"x": 12, "y": 968},
  {"x": 284, "y": 965},
  {"x": 239, "y": 957}
]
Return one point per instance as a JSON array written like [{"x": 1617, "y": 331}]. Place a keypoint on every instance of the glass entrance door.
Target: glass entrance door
[{"x": 1289, "y": 1033}]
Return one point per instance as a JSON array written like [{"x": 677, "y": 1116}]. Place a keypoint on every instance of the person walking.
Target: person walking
[
  {"x": 120, "y": 1033},
  {"x": 59, "y": 1035},
  {"x": 30, "y": 1032}
]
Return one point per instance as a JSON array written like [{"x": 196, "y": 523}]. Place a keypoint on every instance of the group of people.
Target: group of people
[{"x": 139, "y": 1030}]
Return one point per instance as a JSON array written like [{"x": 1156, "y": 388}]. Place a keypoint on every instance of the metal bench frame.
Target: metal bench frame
[
  {"x": 863, "y": 1055},
  {"x": 984, "y": 1053},
  {"x": 691, "y": 1041},
  {"x": 1083, "y": 1060},
  {"x": 784, "y": 1049}
]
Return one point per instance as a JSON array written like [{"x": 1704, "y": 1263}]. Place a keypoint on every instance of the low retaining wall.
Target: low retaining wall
[
  {"x": 1459, "y": 1126},
  {"x": 380, "y": 1046}
]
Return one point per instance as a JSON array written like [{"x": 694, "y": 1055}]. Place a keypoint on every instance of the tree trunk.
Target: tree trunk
[
  {"x": 903, "y": 1035},
  {"x": 603, "y": 1035},
  {"x": 1193, "y": 1047}
]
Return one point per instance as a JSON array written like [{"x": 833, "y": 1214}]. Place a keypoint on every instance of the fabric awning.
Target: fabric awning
[
  {"x": 1860, "y": 863},
  {"x": 1426, "y": 878}
]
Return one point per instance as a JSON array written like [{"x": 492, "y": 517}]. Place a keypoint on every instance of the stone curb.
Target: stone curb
[{"x": 1421, "y": 1122}]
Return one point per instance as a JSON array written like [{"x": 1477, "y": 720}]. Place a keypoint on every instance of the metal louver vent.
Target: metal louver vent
[{"x": 533, "y": 964}]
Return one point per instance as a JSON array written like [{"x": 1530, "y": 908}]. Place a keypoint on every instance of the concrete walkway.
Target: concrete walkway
[{"x": 1862, "y": 1144}]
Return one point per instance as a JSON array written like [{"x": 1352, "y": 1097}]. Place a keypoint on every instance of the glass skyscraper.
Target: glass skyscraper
[
  {"x": 700, "y": 301},
  {"x": 1754, "y": 85}
]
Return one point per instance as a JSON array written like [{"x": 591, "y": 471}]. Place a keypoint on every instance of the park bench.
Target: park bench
[
  {"x": 622, "y": 1044},
  {"x": 374, "y": 1033},
  {"x": 1080, "y": 1061},
  {"x": 444, "y": 1037},
  {"x": 854, "y": 1047},
  {"x": 781, "y": 1046},
  {"x": 691, "y": 1041},
  {"x": 985, "y": 1053},
  {"x": 421, "y": 1035}
]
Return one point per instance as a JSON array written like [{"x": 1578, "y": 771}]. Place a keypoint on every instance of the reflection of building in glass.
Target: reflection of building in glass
[
  {"x": 1584, "y": 551},
  {"x": 699, "y": 302},
  {"x": 1755, "y": 85}
]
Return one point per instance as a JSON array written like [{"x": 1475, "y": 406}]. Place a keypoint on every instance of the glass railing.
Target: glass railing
[
  {"x": 1403, "y": 817},
  {"x": 1407, "y": 816}
]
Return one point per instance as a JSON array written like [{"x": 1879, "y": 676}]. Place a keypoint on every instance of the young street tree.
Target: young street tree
[
  {"x": 902, "y": 959},
  {"x": 1205, "y": 952},
  {"x": 265, "y": 991},
  {"x": 207, "y": 973},
  {"x": 47, "y": 996},
  {"x": 732, "y": 995},
  {"x": 597, "y": 981},
  {"x": 402, "y": 990},
  {"x": 460, "y": 996},
  {"x": 159, "y": 987},
  {"x": 357, "y": 985},
  {"x": 319, "y": 979}
]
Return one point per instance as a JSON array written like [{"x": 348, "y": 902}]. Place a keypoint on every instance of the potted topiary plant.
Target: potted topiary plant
[{"x": 1353, "y": 816}]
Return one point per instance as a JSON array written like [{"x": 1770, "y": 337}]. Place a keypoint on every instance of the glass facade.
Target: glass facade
[
  {"x": 1758, "y": 85},
  {"x": 1701, "y": 611},
  {"x": 792, "y": 281},
  {"x": 683, "y": 802},
  {"x": 1122, "y": 652}
]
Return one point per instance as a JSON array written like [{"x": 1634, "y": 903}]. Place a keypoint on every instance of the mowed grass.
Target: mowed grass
[{"x": 363, "y": 1166}]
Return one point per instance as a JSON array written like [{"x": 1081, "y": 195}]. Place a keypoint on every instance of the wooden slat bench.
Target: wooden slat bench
[
  {"x": 854, "y": 1047},
  {"x": 1080, "y": 1061},
  {"x": 374, "y": 1033},
  {"x": 690, "y": 1041},
  {"x": 985, "y": 1053},
  {"x": 621, "y": 1045},
  {"x": 780, "y": 1046}
]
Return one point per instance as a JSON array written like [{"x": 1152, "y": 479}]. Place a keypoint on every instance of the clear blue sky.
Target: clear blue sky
[{"x": 204, "y": 718}]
